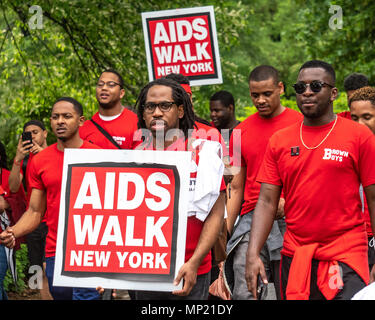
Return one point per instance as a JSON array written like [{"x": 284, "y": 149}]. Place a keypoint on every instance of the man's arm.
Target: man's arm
[
  {"x": 15, "y": 177},
  {"x": 234, "y": 203},
  {"x": 370, "y": 197},
  {"x": 210, "y": 232},
  {"x": 29, "y": 220},
  {"x": 263, "y": 218}
]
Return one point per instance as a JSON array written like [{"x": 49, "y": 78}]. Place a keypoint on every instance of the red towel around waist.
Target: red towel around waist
[{"x": 350, "y": 248}]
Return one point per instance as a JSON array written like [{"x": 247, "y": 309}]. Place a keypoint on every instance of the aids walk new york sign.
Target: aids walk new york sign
[
  {"x": 183, "y": 41},
  {"x": 122, "y": 220}
]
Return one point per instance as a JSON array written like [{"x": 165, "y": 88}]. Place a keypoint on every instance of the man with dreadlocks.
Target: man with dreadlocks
[{"x": 165, "y": 111}]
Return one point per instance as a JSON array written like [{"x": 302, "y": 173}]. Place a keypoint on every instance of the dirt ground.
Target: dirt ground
[{"x": 29, "y": 294}]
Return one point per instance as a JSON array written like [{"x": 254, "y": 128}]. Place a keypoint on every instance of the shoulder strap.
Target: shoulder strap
[
  {"x": 24, "y": 166},
  {"x": 106, "y": 134}
]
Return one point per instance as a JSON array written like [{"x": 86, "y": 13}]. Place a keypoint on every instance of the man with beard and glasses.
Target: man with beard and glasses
[
  {"x": 319, "y": 164},
  {"x": 113, "y": 125},
  {"x": 164, "y": 107},
  {"x": 45, "y": 177}
]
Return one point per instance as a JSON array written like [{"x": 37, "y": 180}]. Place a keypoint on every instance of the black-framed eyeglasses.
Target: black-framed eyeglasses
[
  {"x": 315, "y": 86},
  {"x": 165, "y": 106},
  {"x": 110, "y": 84}
]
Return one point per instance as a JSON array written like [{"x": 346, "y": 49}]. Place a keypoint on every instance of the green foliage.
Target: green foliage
[
  {"x": 79, "y": 39},
  {"x": 350, "y": 49},
  {"x": 22, "y": 266}
]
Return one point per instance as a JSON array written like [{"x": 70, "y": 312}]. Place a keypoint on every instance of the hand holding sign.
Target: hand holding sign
[{"x": 187, "y": 273}]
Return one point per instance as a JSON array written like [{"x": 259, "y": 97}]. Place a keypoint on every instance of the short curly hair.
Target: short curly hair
[{"x": 363, "y": 94}]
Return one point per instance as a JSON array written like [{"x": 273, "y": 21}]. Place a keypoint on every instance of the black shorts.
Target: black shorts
[
  {"x": 36, "y": 243},
  {"x": 352, "y": 281}
]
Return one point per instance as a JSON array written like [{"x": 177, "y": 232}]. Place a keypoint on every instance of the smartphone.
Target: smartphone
[
  {"x": 26, "y": 136},
  {"x": 261, "y": 289}
]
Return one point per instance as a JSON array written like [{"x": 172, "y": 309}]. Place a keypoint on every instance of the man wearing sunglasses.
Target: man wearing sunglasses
[
  {"x": 113, "y": 125},
  {"x": 265, "y": 90},
  {"x": 319, "y": 164}
]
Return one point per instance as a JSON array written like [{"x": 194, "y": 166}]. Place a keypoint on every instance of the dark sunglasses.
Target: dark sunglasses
[{"x": 315, "y": 86}]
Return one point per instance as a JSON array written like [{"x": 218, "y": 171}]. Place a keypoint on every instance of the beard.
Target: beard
[
  {"x": 63, "y": 139},
  {"x": 314, "y": 113},
  {"x": 108, "y": 105},
  {"x": 68, "y": 135}
]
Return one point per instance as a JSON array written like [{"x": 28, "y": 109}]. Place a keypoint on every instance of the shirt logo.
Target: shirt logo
[
  {"x": 334, "y": 154},
  {"x": 119, "y": 140},
  {"x": 294, "y": 151}
]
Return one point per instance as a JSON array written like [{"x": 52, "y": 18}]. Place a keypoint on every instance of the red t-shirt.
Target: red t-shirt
[
  {"x": 4, "y": 180},
  {"x": 205, "y": 131},
  {"x": 194, "y": 225},
  {"x": 255, "y": 134},
  {"x": 345, "y": 114},
  {"x": 321, "y": 186},
  {"x": 121, "y": 130},
  {"x": 46, "y": 174},
  {"x": 19, "y": 195},
  {"x": 26, "y": 177}
]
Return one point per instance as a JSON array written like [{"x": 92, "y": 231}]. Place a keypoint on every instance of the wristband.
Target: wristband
[{"x": 17, "y": 163}]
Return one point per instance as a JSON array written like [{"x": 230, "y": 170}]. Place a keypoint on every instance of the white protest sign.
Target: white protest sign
[
  {"x": 122, "y": 221},
  {"x": 183, "y": 41}
]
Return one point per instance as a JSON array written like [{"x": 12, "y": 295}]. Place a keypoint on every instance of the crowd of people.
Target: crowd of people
[{"x": 292, "y": 194}]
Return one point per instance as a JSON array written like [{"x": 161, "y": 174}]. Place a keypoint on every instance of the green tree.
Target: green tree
[{"x": 78, "y": 40}]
